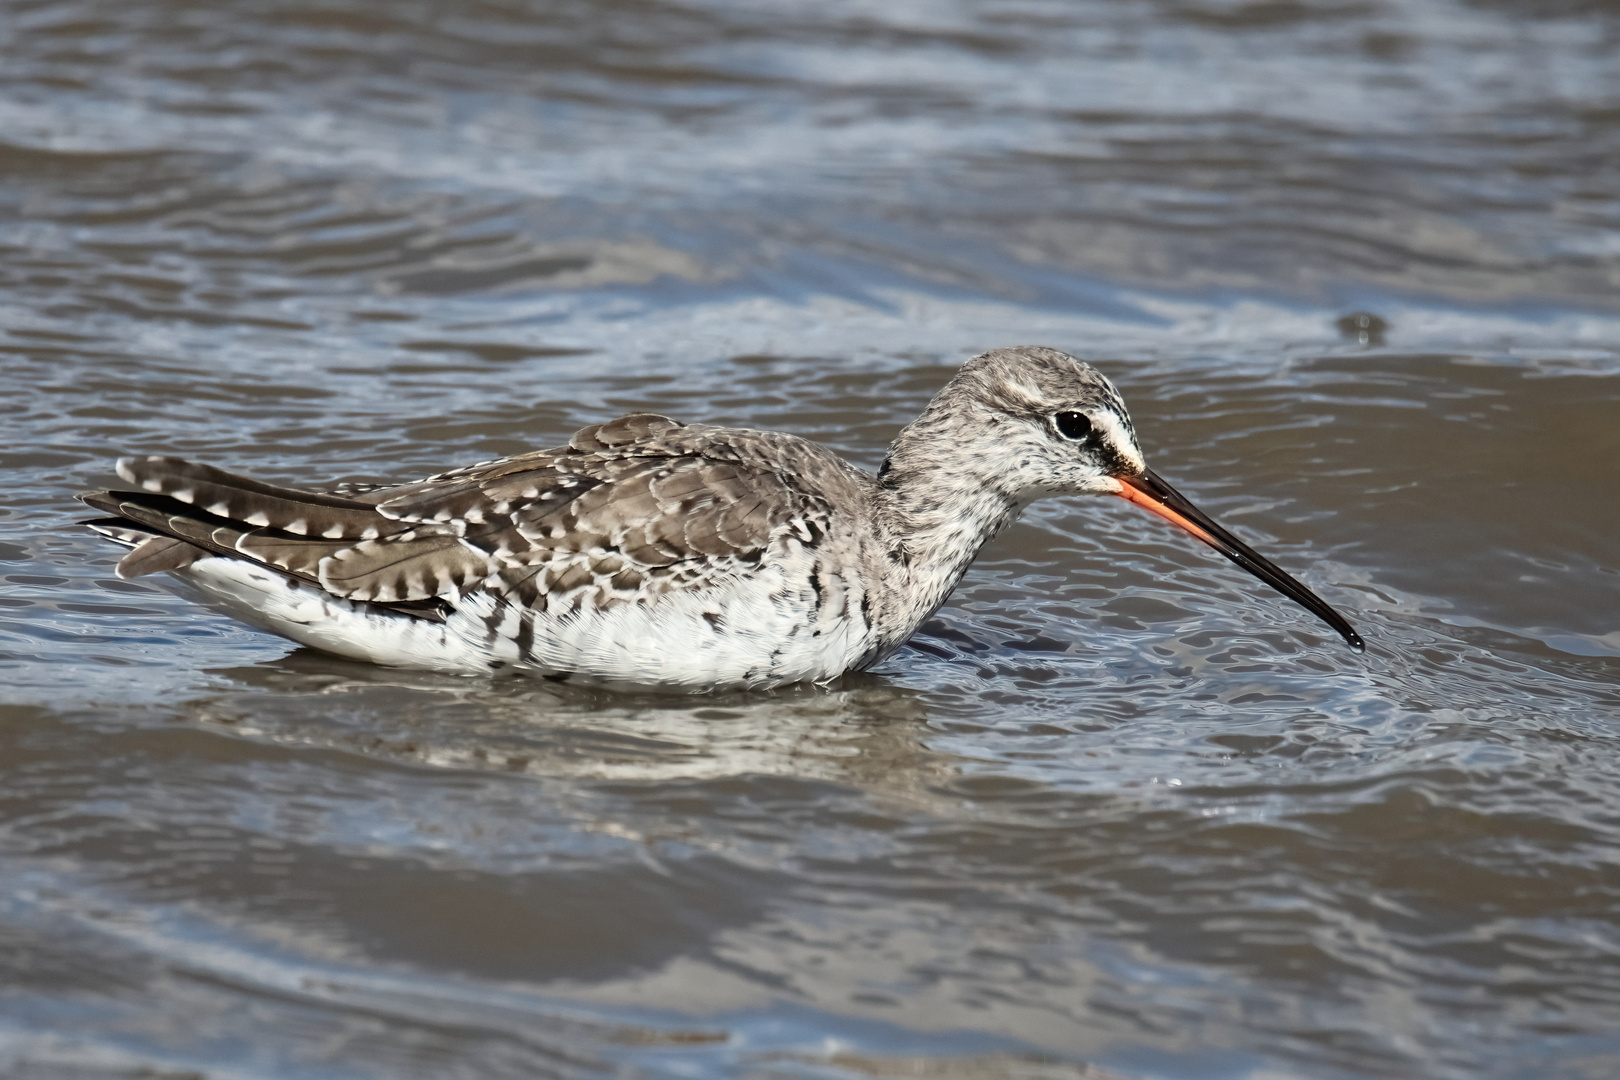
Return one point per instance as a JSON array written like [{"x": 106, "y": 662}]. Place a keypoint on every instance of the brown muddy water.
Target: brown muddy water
[{"x": 1118, "y": 812}]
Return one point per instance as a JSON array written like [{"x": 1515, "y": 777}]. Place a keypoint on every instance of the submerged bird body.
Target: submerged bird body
[{"x": 651, "y": 552}]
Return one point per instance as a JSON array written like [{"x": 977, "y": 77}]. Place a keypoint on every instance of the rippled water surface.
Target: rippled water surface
[{"x": 1118, "y": 812}]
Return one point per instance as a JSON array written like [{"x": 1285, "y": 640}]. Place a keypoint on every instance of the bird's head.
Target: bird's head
[{"x": 1031, "y": 422}]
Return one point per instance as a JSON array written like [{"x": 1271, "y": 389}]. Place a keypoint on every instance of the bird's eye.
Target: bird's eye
[{"x": 1072, "y": 425}]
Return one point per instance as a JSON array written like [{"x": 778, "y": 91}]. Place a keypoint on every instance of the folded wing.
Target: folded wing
[{"x": 627, "y": 510}]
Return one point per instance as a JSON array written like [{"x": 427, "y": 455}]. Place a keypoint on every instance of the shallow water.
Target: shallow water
[{"x": 1117, "y": 812}]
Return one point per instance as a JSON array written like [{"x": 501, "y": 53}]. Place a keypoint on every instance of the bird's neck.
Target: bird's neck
[{"x": 938, "y": 503}]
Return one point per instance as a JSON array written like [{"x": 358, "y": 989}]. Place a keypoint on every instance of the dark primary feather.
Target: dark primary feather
[{"x": 253, "y": 502}]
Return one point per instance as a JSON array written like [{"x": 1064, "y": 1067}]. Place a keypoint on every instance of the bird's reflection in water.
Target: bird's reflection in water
[{"x": 865, "y": 733}]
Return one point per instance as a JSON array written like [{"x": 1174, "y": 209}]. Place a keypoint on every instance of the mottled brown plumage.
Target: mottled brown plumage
[{"x": 640, "y": 504}]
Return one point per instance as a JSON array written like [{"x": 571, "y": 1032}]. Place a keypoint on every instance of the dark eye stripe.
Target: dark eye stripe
[{"x": 1072, "y": 425}]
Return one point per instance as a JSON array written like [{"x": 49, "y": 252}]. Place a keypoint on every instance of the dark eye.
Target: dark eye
[{"x": 1072, "y": 425}]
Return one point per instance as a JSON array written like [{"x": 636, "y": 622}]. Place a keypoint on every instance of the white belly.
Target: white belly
[{"x": 767, "y": 629}]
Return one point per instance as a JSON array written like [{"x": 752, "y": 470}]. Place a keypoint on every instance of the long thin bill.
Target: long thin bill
[{"x": 1151, "y": 493}]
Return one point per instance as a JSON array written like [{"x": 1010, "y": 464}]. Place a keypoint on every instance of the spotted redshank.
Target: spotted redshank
[{"x": 655, "y": 553}]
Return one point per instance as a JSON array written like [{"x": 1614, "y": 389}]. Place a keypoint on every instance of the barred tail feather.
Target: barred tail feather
[{"x": 340, "y": 545}]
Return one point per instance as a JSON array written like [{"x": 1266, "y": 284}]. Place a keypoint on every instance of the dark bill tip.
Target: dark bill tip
[{"x": 1151, "y": 493}]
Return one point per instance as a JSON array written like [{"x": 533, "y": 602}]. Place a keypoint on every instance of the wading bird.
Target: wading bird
[{"x": 656, "y": 553}]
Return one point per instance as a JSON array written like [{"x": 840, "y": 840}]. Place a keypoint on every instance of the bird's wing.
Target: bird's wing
[
  {"x": 633, "y": 507},
  {"x": 629, "y": 509}
]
